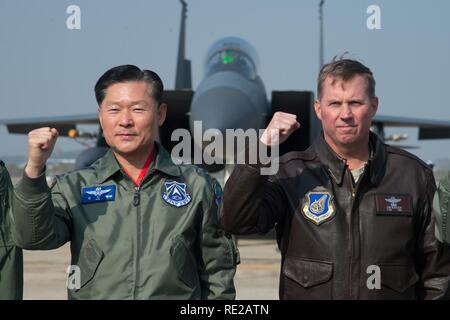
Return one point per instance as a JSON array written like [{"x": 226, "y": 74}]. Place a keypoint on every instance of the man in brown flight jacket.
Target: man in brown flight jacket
[{"x": 353, "y": 216}]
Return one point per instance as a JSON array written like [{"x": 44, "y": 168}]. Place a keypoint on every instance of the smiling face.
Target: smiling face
[
  {"x": 346, "y": 112},
  {"x": 130, "y": 118}
]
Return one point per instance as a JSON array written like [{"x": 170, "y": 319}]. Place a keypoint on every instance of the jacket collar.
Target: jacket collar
[
  {"x": 107, "y": 166},
  {"x": 377, "y": 163},
  {"x": 336, "y": 165}
]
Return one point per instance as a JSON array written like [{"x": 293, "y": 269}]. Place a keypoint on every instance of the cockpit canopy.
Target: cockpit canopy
[{"x": 232, "y": 54}]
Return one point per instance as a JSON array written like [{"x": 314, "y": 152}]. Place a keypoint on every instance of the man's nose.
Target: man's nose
[
  {"x": 125, "y": 119},
  {"x": 346, "y": 112}
]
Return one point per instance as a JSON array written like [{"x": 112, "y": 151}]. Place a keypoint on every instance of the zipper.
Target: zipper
[
  {"x": 354, "y": 190},
  {"x": 136, "y": 202},
  {"x": 353, "y": 194},
  {"x": 137, "y": 196}
]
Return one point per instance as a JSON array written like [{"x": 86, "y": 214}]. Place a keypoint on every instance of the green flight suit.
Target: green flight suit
[
  {"x": 441, "y": 208},
  {"x": 11, "y": 258},
  {"x": 160, "y": 240}
]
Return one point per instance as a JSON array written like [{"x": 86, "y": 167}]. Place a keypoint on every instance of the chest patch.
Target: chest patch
[
  {"x": 393, "y": 205},
  {"x": 98, "y": 194},
  {"x": 175, "y": 193},
  {"x": 318, "y": 207}
]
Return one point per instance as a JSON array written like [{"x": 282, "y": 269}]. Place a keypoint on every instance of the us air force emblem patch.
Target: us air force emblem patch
[
  {"x": 176, "y": 194},
  {"x": 318, "y": 207}
]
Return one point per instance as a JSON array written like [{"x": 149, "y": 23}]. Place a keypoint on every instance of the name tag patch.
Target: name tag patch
[
  {"x": 98, "y": 194},
  {"x": 394, "y": 205}
]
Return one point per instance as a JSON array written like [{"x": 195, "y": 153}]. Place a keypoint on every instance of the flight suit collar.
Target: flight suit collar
[
  {"x": 107, "y": 166},
  {"x": 336, "y": 166},
  {"x": 163, "y": 162}
]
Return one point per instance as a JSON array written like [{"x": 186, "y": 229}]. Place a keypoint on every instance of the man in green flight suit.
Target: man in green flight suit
[
  {"x": 11, "y": 259},
  {"x": 140, "y": 227},
  {"x": 441, "y": 208}
]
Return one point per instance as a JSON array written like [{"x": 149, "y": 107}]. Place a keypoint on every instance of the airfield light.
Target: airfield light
[
  {"x": 227, "y": 57},
  {"x": 72, "y": 133}
]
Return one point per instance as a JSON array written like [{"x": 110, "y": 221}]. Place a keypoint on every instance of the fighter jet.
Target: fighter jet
[{"x": 230, "y": 96}]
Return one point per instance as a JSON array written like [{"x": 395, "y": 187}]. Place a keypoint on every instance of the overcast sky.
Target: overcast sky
[{"x": 47, "y": 69}]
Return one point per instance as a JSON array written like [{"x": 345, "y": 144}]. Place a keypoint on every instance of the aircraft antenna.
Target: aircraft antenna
[
  {"x": 321, "y": 49},
  {"x": 183, "y": 79}
]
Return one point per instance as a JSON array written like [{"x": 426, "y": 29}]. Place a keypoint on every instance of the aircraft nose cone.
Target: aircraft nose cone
[
  {"x": 224, "y": 108},
  {"x": 219, "y": 109}
]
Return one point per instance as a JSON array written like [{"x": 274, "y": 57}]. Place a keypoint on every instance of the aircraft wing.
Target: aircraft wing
[
  {"x": 428, "y": 129},
  {"x": 62, "y": 123}
]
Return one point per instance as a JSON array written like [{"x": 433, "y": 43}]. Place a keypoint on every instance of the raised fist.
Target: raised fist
[
  {"x": 280, "y": 128},
  {"x": 40, "y": 147}
]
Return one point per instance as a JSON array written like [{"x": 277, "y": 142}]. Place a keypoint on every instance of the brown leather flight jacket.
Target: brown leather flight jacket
[{"x": 374, "y": 240}]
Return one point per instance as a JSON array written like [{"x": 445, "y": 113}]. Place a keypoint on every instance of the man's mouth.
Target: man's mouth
[{"x": 126, "y": 134}]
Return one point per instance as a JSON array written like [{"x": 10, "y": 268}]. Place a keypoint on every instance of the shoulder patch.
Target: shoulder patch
[{"x": 218, "y": 193}]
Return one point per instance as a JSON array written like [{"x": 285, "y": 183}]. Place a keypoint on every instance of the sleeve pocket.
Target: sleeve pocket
[
  {"x": 232, "y": 251},
  {"x": 184, "y": 261},
  {"x": 89, "y": 260},
  {"x": 441, "y": 208}
]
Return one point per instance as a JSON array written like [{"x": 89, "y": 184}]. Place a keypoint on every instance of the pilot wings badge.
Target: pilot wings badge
[
  {"x": 176, "y": 194},
  {"x": 98, "y": 194},
  {"x": 318, "y": 207},
  {"x": 394, "y": 205}
]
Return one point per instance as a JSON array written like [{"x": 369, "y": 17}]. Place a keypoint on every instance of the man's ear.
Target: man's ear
[
  {"x": 162, "y": 112},
  {"x": 317, "y": 108},
  {"x": 374, "y": 106},
  {"x": 99, "y": 116}
]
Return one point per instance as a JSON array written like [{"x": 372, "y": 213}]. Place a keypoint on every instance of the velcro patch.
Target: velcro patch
[
  {"x": 98, "y": 194},
  {"x": 394, "y": 205}
]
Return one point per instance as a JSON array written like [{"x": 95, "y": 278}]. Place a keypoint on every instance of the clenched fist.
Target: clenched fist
[
  {"x": 40, "y": 146},
  {"x": 280, "y": 128}
]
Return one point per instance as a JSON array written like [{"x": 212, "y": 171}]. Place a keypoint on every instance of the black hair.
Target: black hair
[{"x": 126, "y": 73}]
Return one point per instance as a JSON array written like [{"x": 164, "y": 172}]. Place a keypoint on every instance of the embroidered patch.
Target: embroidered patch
[
  {"x": 394, "y": 205},
  {"x": 98, "y": 194},
  {"x": 176, "y": 194},
  {"x": 318, "y": 207}
]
